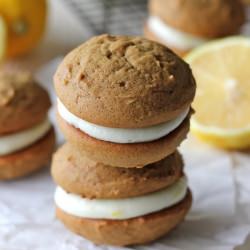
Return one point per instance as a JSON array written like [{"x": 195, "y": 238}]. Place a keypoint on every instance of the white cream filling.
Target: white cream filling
[
  {"x": 120, "y": 209},
  {"x": 121, "y": 135},
  {"x": 173, "y": 37},
  {"x": 13, "y": 142}
]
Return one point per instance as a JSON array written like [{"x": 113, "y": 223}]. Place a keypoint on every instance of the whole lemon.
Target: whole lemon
[{"x": 24, "y": 22}]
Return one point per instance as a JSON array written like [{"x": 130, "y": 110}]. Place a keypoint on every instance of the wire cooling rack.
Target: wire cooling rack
[
  {"x": 110, "y": 16},
  {"x": 117, "y": 16}
]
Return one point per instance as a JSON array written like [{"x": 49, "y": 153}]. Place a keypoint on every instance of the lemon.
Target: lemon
[
  {"x": 3, "y": 38},
  {"x": 25, "y": 23},
  {"x": 222, "y": 103}
]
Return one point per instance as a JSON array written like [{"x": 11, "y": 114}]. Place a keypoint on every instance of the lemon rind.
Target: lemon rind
[
  {"x": 217, "y": 45},
  {"x": 3, "y": 45},
  {"x": 213, "y": 130},
  {"x": 224, "y": 138}
]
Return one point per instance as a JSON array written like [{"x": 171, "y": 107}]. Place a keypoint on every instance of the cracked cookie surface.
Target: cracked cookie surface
[
  {"x": 23, "y": 103},
  {"x": 122, "y": 81},
  {"x": 78, "y": 174}
]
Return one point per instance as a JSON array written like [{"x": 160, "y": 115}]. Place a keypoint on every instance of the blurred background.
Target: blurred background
[{"x": 70, "y": 22}]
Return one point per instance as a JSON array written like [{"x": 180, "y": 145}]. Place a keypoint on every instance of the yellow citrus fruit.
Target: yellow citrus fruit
[
  {"x": 25, "y": 21},
  {"x": 222, "y": 103},
  {"x": 3, "y": 38}
]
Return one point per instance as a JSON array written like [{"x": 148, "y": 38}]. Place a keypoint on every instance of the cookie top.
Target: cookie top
[
  {"x": 205, "y": 18},
  {"x": 23, "y": 103},
  {"x": 78, "y": 174},
  {"x": 124, "y": 82}
]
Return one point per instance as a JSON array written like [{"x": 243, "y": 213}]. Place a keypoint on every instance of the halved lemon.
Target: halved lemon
[{"x": 222, "y": 103}]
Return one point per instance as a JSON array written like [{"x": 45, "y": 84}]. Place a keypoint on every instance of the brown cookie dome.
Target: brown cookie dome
[
  {"x": 122, "y": 81},
  {"x": 78, "y": 174},
  {"x": 205, "y": 18},
  {"x": 23, "y": 103}
]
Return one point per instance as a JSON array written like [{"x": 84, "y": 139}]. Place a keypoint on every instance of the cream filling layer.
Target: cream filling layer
[
  {"x": 13, "y": 142},
  {"x": 121, "y": 135},
  {"x": 120, "y": 209},
  {"x": 173, "y": 37}
]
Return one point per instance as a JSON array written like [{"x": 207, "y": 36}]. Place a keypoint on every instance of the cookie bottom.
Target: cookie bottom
[
  {"x": 28, "y": 160},
  {"x": 135, "y": 231},
  {"x": 151, "y": 36},
  {"x": 77, "y": 174},
  {"x": 124, "y": 155}
]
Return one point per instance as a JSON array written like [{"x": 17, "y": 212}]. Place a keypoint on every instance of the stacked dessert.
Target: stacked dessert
[
  {"x": 185, "y": 24},
  {"x": 27, "y": 138},
  {"x": 124, "y": 107}
]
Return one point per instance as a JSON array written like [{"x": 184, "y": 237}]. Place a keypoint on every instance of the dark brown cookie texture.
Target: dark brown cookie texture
[
  {"x": 204, "y": 18},
  {"x": 124, "y": 82},
  {"x": 80, "y": 175},
  {"x": 139, "y": 230},
  {"x": 23, "y": 103}
]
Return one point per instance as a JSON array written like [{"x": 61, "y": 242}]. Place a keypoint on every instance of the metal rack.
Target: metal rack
[
  {"x": 117, "y": 16},
  {"x": 110, "y": 16}
]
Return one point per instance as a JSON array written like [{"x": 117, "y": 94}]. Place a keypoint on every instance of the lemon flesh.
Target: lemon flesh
[{"x": 222, "y": 103}]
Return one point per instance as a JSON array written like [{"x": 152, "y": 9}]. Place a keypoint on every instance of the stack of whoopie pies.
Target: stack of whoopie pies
[
  {"x": 124, "y": 107},
  {"x": 27, "y": 138},
  {"x": 186, "y": 24}
]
